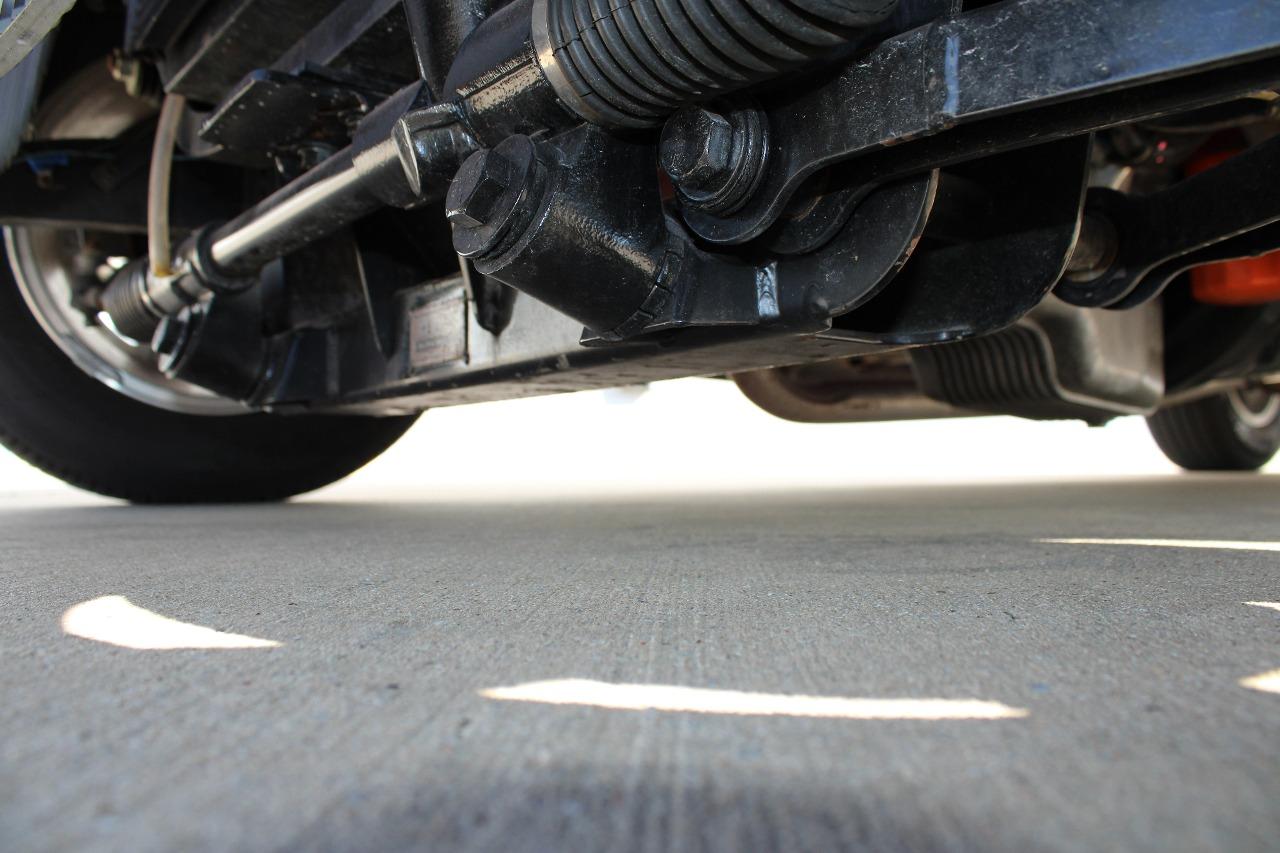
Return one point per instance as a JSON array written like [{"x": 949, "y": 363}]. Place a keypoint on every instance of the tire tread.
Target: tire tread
[{"x": 1206, "y": 435}]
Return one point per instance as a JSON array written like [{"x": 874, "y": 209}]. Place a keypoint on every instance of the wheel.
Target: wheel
[
  {"x": 90, "y": 407},
  {"x": 1236, "y": 431},
  {"x": 119, "y": 441}
]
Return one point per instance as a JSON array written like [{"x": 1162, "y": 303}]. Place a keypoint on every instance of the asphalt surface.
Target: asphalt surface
[{"x": 367, "y": 726}]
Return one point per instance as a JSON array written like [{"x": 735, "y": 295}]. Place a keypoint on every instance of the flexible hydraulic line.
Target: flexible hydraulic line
[{"x": 158, "y": 246}]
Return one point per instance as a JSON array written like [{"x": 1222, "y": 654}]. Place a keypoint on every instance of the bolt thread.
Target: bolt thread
[{"x": 630, "y": 63}]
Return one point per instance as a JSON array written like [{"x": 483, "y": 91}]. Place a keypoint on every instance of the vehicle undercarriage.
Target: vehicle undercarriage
[{"x": 857, "y": 209}]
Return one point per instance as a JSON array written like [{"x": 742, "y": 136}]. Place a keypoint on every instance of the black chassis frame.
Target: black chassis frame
[{"x": 978, "y": 118}]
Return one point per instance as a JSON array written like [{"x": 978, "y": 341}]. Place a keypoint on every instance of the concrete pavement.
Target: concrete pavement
[{"x": 362, "y": 721}]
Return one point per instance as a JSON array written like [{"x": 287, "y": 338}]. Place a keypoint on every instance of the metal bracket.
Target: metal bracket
[
  {"x": 1229, "y": 211},
  {"x": 1002, "y": 74},
  {"x": 102, "y": 185},
  {"x": 952, "y": 292},
  {"x": 269, "y": 111}
]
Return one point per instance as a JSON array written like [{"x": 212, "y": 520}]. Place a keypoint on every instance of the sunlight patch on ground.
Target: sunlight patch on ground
[
  {"x": 662, "y": 697},
  {"x": 1267, "y": 682},
  {"x": 114, "y": 620},
  {"x": 1216, "y": 544}
]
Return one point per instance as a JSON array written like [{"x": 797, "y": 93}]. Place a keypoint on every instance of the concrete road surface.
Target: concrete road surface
[{"x": 871, "y": 668}]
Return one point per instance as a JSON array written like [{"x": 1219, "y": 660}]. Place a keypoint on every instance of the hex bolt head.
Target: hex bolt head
[
  {"x": 477, "y": 189},
  {"x": 696, "y": 148},
  {"x": 492, "y": 193}
]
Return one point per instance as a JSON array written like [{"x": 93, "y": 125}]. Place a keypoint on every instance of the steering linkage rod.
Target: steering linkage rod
[{"x": 534, "y": 64}]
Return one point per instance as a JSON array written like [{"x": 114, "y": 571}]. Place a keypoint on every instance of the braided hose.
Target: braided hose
[{"x": 631, "y": 63}]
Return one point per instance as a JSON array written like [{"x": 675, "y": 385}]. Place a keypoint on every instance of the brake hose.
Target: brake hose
[{"x": 158, "y": 247}]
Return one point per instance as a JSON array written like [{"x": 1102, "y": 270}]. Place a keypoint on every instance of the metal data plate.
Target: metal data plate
[{"x": 438, "y": 330}]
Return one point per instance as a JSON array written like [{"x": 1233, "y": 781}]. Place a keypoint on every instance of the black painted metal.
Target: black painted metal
[
  {"x": 502, "y": 95},
  {"x": 844, "y": 235},
  {"x": 1229, "y": 211},
  {"x": 999, "y": 61},
  {"x": 269, "y": 112},
  {"x": 438, "y": 28},
  {"x": 1250, "y": 244},
  {"x": 715, "y": 159},
  {"x": 230, "y": 39},
  {"x": 544, "y": 219},
  {"x": 864, "y": 256},
  {"x": 365, "y": 41},
  {"x": 498, "y": 86},
  {"x": 152, "y": 25},
  {"x": 962, "y": 290},
  {"x": 102, "y": 186},
  {"x": 1208, "y": 342},
  {"x": 216, "y": 344},
  {"x": 494, "y": 301}
]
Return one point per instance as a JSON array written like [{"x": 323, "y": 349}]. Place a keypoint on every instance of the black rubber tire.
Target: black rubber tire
[
  {"x": 1211, "y": 435},
  {"x": 69, "y": 424}
]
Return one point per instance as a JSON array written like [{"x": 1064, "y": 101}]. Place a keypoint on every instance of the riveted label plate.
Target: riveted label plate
[{"x": 438, "y": 330}]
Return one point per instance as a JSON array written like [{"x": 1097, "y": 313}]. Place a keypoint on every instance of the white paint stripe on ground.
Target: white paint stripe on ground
[
  {"x": 1216, "y": 544},
  {"x": 115, "y": 620},
  {"x": 697, "y": 700}
]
